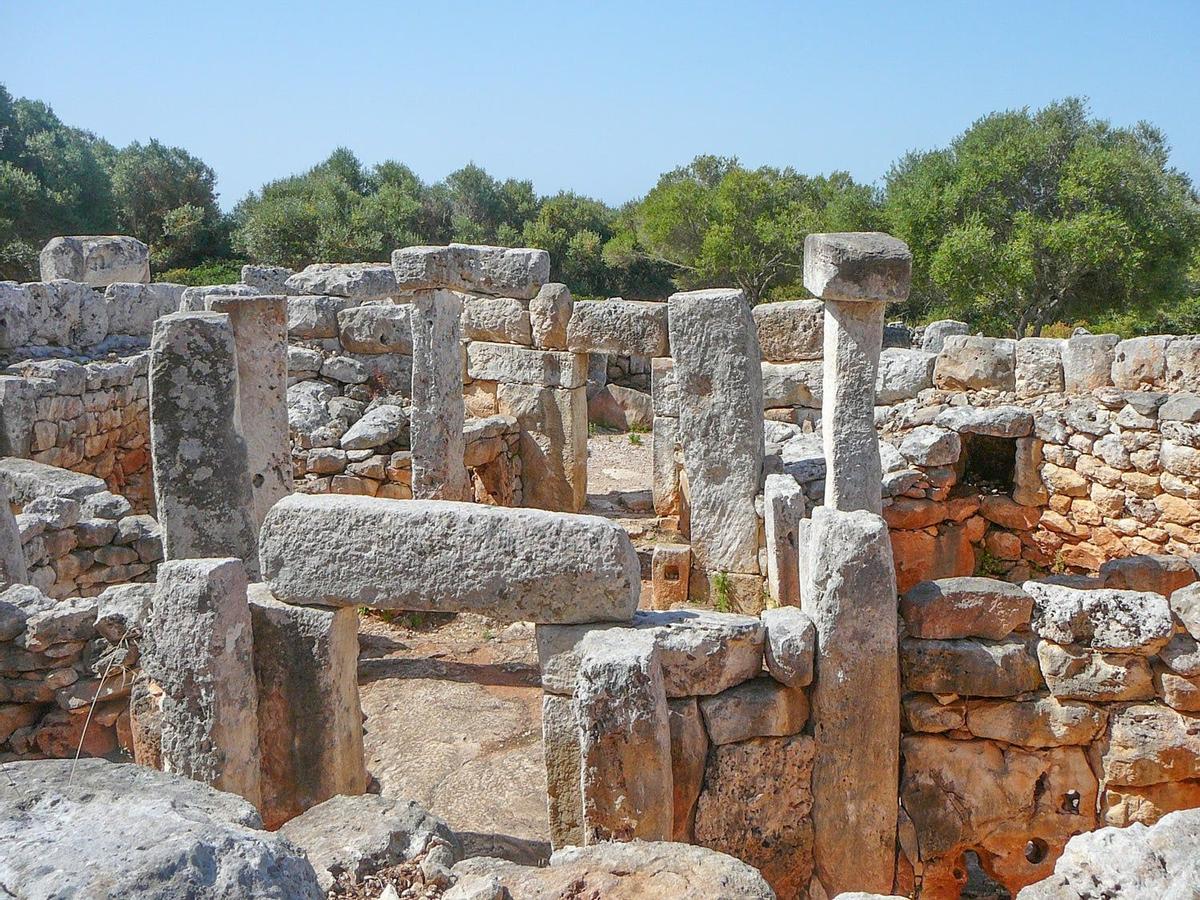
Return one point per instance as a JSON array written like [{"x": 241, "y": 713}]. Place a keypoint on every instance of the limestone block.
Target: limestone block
[
  {"x": 625, "y": 739},
  {"x": 848, "y": 588},
  {"x": 1087, "y": 362},
  {"x": 755, "y": 806},
  {"x": 1185, "y": 604},
  {"x": 314, "y": 318},
  {"x": 515, "y": 564},
  {"x": 380, "y": 425},
  {"x": 670, "y": 566},
  {"x": 965, "y": 607},
  {"x": 202, "y": 482},
  {"x": 621, "y": 408},
  {"x": 15, "y": 325},
  {"x": 1183, "y": 363},
  {"x": 935, "y": 334},
  {"x": 689, "y": 750},
  {"x": 790, "y": 330},
  {"x": 132, "y": 308},
  {"x": 1177, "y": 691},
  {"x": 436, "y": 424},
  {"x": 501, "y": 319},
  {"x": 790, "y": 645},
  {"x": 54, "y": 312},
  {"x": 784, "y": 505},
  {"x": 12, "y": 558},
  {"x": 719, "y": 377},
  {"x": 511, "y": 364},
  {"x": 499, "y": 271},
  {"x": 564, "y": 800},
  {"x": 199, "y": 651},
  {"x": 1182, "y": 655},
  {"x": 931, "y": 445},
  {"x": 621, "y": 327},
  {"x": 309, "y": 717},
  {"x": 857, "y": 266},
  {"x": 1078, "y": 673},
  {"x": 663, "y": 388},
  {"x": 972, "y": 667},
  {"x": 194, "y": 299},
  {"x": 997, "y": 798},
  {"x": 1148, "y": 744},
  {"x": 553, "y": 443},
  {"x": 549, "y": 313},
  {"x": 1181, "y": 407},
  {"x": 1120, "y": 621},
  {"x": 995, "y": 421},
  {"x": 925, "y": 713},
  {"x": 267, "y": 279},
  {"x": 376, "y": 328},
  {"x": 792, "y": 384},
  {"x": 970, "y": 363},
  {"x": 1180, "y": 459},
  {"x": 1039, "y": 367},
  {"x": 762, "y": 707},
  {"x": 28, "y": 480},
  {"x": 260, "y": 338},
  {"x": 903, "y": 374},
  {"x": 1123, "y": 805},
  {"x": 1140, "y": 361},
  {"x": 95, "y": 260},
  {"x": 664, "y": 441},
  {"x": 1040, "y": 722},
  {"x": 359, "y": 282}
]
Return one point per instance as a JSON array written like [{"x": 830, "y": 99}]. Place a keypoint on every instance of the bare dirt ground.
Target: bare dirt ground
[{"x": 453, "y": 704}]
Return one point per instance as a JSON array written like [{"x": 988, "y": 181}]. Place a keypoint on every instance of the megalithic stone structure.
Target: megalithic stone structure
[
  {"x": 437, "y": 441},
  {"x": 12, "y": 555},
  {"x": 201, "y": 473},
  {"x": 856, "y": 274},
  {"x": 260, "y": 336}
]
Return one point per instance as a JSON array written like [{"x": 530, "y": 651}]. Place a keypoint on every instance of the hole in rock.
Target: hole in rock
[
  {"x": 671, "y": 573},
  {"x": 1070, "y": 802},
  {"x": 987, "y": 464},
  {"x": 1036, "y": 850}
]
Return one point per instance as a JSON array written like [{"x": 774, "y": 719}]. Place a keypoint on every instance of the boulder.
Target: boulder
[
  {"x": 1120, "y": 621},
  {"x": 95, "y": 260},
  {"x": 971, "y": 363},
  {"x": 116, "y": 831},
  {"x": 965, "y": 607},
  {"x": 516, "y": 564}
]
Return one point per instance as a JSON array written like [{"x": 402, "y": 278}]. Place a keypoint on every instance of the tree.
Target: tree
[
  {"x": 481, "y": 210},
  {"x": 714, "y": 222},
  {"x": 1031, "y": 218}
]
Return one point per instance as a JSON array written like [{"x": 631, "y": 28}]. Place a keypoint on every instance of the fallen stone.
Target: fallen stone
[
  {"x": 443, "y": 556},
  {"x": 129, "y": 831},
  {"x": 965, "y": 607},
  {"x": 354, "y": 837},
  {"x": 1123, "y": 621}
]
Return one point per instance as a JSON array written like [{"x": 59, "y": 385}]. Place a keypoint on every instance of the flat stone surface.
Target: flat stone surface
[
  {"x": 759, "y": 708},
  {"x": 995, "y": 421},
  {"x": 1123, "y": 621},
  {"x": 511, "y": 364},
  {"x": 357, "y": 281},
  {"x": 790, "y": 330},
  {"x": 863, "y": 265},
  {"x": 514, "y": 564},
  {"x": 974, "y": 668},
  {"x": 436, "y": 424},
  {"x": 27, "y": 480},
  {"x": 501, "y": 319},
  {"x": 376, "y": 328},
  {"x": 965, "y": 607},
  {"x": 1148, "y": 744},
  {"x": 129, "y": 831}
]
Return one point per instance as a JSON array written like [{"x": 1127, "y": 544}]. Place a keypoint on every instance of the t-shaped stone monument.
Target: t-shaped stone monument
[{"x": 856, "y": 274}]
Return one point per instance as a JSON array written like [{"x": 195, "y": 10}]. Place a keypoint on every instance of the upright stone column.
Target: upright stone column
[
  {"x": 856, "y": 274},
  {"x": 849, "y": 591},
  {"x": 199, "y": 652},
  {"x": 202, "y": 485},
  {"x": 436, "y": 430},
  {"x": 783, "y": 507},
  {"x": 718, "y": 376},
  {"x": 12, "y": 554},
  {"x": 260, "y": 336}
]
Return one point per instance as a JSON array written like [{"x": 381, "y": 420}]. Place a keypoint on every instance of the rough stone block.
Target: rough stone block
[
  {"x": 974, "y": 668},
  {"x": 516, "y": 564},
  {"x": 500, "y": 319},
  {"x": 903, "y": 374},
  {"x": 1141, "y": 362},
  {"x": 15, "y": 324},
  {"x": 560, "y": 740},
  {"x": 792, "y": 384},
  {"x": 1078, "y": 673},
  {"x": 689, "y": 749},
  {"x": 761, "y": 707},
  {"x": 971, "y": 363},
  {"x": 511, "y": 364},
  {"x": 376, "y": 328},
  {"x": 436, "y": 424},
  {"x": 855, "y": 266},
  {"x": 790, "y": 645},
  {"x": 499, "y": 271},
  {"x": 96, "y": 260},
  {"x": 784, "y": 505},
  {"x": 12, "y": 557},
  {"x": 1041, "y": 722},
  {"x": 935, "y": 334},
  {"x": 553, "y": 443},
  {"x": 314, "y": 318},
  {"x": 1149, "y": 744},
  {"x": 549, "y": 313},
  {"x": 965, "y": 607},
  {"x": 790, "y": 330},
  {"x": 670, "y": 566},
  {"x": 1120, "y": 621},
  {"x": 621, "y": 327},
  {"x": 1087, "y": 362},
  {"x": 309, "y": 717},
  {"x": 359, "y": 282},
  {"x": 1039, "y": 368}
]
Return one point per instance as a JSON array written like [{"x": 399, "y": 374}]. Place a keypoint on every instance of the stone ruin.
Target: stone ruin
[{"x": 928, "y": 609}]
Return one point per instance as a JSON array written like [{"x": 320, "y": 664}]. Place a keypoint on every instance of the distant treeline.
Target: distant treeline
[{"x": 1026, "y": 220}]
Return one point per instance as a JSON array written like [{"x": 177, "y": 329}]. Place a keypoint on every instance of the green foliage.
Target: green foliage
[
  {"x": 721, "y": 595},
  {"x": 988, "y": 565},
  {"x": 1028, "y": 218},
  {"x": 211, "y": 271},
  {"x": 635, "y": 439}
]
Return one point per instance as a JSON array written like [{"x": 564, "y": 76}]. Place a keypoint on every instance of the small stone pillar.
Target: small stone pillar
[
  {"x": 309, "y": 716},
  {"x": 848, "y": 587},
  {"x": 436, "y": 429},
  {"x": 201, "y": 475},
  {"x": 260, "y": 336},
  {"x": 784, "y": 506},
  {"x": 199, "y": 653},
  {"x": 856, "y": 274},
  {"x": 12, "y": 554}
]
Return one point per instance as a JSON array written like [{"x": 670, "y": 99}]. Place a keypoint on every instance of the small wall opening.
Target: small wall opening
[{"x": 987, "y": 464}]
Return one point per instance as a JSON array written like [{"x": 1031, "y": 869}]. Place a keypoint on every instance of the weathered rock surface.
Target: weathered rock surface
[
  {"x": 863, "y": 265},
  {"x": 376, "y": 328},
  {"x": 704, "y": 652},
  {"x": 931, "y": 445},
  {"x": 1122, "y": 621},
  {"x": 95, "y": 260},
  {"x": 935, "y": 334},
  {"x": 1042, "y": 722},
  {"x": 1148, "y": 744},
  {"x": 553, "y": 445},
  {"x": 1081, "y": 674},
  {"x": 357, "y": 836},
  {"x": 436, "y": 424},
  {"x": 499, "y": 271},
  {"x": 790, "y": 646},
  {"x": 623, "y": 327},
  {"x": 518, "y": 564},
  {"x": 759, "y": 708},
  {"x": 564, "y": 797},
  {"x": 12, "y": 558},
  {"x": 969, "y": 363},
  {"x": 549, "y": 313},
  {"x": 357, "y": 281},
  {"x": 903, "y": 374},
  {"x": 511, "y": 364},
  {"x": 790, "y": 330},
  {"x": 973, "y": 668},
  {"x": 689, "y": 752},
  {"x": 118, "y": 831},
  {"x": 965, "y": 607}
]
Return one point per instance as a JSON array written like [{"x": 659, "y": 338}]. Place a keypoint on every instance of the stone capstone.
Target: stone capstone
[{"x": 850, "y": 266}]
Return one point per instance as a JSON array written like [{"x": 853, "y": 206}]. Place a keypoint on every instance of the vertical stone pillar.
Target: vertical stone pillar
[
  {"x": 783, "y": 508},
  {"x": 202, "y": 486},
  {"x": 199, "y": 652},
  {"x": 849, "y": 591},
  {"x": 12, "y": 554},
  {"x": 260, "y": 337},
  {"x": 309, "y": 716},
  {"x": 438, "y": 472},
  {"x": 624, "y": 738},
  {"x": 718, "y": 376},
  {"x": 564, "y": 798},
  {"x": 856, "y": 274},
  {"x": 664, "y": 436}
]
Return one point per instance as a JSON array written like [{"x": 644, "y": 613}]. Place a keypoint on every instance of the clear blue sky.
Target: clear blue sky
[{"x": 597, "y": 97}]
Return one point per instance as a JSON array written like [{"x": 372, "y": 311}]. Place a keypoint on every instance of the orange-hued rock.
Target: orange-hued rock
[
  {"x": 1006, "y": 512},
  {"x": 905, "y": 512},
  {"x": 1122, "y": 805},
  {"x": 920, "y": 556}
]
